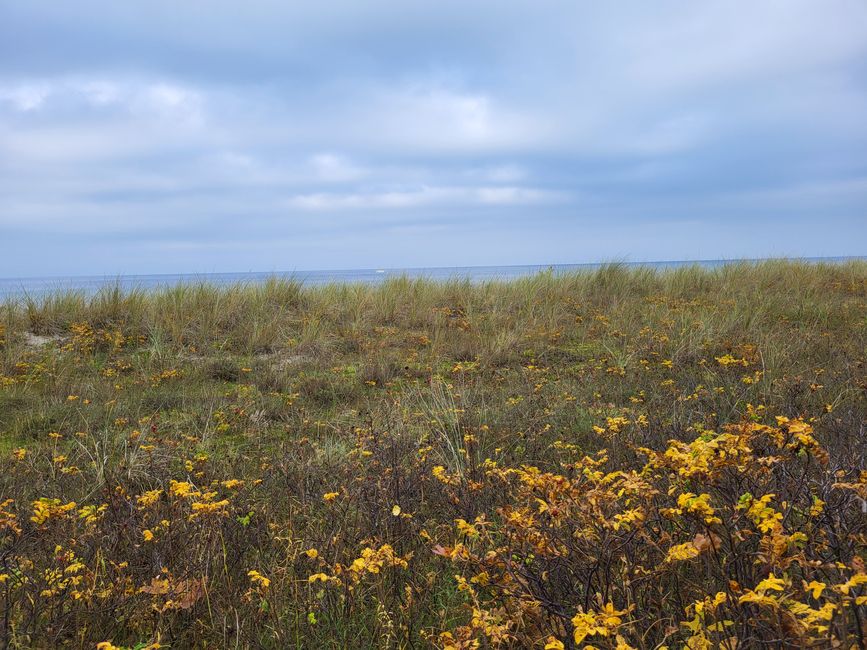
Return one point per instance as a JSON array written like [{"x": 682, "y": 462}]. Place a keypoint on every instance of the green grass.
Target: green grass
[{"x": 361, "y": 389}]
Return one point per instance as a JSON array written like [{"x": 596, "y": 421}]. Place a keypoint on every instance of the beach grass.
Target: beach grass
[{"x": 623, "y": 457}]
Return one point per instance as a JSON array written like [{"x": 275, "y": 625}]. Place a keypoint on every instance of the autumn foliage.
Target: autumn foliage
[{"x": 617, "y": 459}]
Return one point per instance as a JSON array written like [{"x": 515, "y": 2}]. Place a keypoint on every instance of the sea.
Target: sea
[{"x": 35, "y": 287}]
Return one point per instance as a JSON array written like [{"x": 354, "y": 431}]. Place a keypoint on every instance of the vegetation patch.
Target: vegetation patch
[{"x": 623, "y": 458}]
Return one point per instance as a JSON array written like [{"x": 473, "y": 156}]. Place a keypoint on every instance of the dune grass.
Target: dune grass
[{"x": 624, "y": 458}]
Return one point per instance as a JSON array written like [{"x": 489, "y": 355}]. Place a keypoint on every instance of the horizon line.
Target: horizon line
[{"x": 542, "y": 265}]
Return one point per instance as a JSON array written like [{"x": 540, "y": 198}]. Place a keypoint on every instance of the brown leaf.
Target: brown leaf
[
  {"x": 188, "y": 592},
  {"x": 157, "y": 587},
  {"x": 440, "y": 550},
  {"x": 703, "y": 543}
]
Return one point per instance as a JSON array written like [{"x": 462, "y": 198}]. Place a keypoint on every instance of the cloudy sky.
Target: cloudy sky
[{"x": 210, "y": 135}]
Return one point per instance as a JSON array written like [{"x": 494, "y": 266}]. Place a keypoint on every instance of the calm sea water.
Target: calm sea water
[{"x": 11, "y": 288}]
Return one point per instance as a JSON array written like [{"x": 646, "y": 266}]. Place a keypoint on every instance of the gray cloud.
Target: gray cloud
[{"x": 160, "y": 136}]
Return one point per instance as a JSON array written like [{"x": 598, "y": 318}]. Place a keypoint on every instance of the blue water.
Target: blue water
[{"x": 12, "y": 288}]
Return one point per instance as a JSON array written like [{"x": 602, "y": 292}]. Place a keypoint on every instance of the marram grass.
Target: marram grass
[{"x": 623, "y": 458}]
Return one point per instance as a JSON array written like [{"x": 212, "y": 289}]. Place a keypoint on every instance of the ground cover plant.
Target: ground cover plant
[{"x": 623, "y": 458}]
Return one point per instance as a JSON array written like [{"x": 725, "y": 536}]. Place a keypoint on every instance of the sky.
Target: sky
[{"x": 215, "y": 136}]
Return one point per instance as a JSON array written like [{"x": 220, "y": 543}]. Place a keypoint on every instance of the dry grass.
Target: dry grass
[{"x": 178, "y": 466}]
